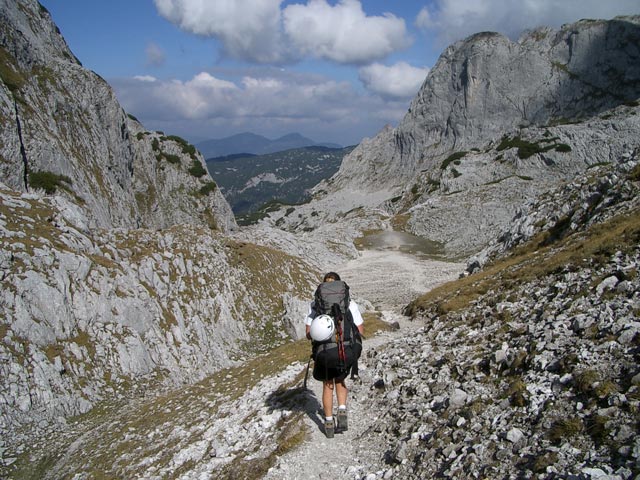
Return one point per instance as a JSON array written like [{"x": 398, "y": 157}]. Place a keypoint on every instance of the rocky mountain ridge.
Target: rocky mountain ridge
[
  {"x": 117, "y": 269},
  {"x": 248, "y": 142},
  {"x": 66, "y": 132},
  {"x": 496, "y": 124},
  {"x": 486, "y": 86},
  {"x": 547, "y": 350}
]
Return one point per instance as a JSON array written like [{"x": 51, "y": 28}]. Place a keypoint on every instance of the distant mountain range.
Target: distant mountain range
[
  {"x": 256, "y": 144},
  {"x": 251, "y": 182}
]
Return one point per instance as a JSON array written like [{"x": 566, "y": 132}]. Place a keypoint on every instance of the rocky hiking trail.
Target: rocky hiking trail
[
  {"x": 229, "y": 425},
  {"x": 389, "y": 280}
]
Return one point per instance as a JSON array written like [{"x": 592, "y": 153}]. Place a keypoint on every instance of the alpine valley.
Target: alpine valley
[
  {"x": 144, "y": 334},
  {"x": 256, "y": 184}
]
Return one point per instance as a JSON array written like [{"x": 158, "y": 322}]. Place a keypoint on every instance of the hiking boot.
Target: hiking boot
[
  {"x": 329, "y": 428},
  {"x": 342, "y": 420}
]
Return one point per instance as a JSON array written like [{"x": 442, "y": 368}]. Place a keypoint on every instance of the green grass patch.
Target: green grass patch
[
  {"x": 453, "y": 158},
  {"x": 544, "y": 254},
  {"x": 9, "y": 72},
  {"x": 187, "y": 148},
  {"x": 49, "y": 181},
  {"x": 208, "y": 188},
  {"x": 197, "y": 170},
  {"x": 562, "y": 147},
  {"x": 527, "y": 149},
  {"x": 517, "y": 393},
  {"x": 174, "y": 159},
  {"x": 564, "y": 429}
]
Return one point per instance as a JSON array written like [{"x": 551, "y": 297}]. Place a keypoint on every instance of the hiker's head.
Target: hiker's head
[{"x": 331, "y": 276}]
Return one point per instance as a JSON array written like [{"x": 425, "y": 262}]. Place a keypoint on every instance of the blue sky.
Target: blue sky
[{"x": 335, "y": 71}]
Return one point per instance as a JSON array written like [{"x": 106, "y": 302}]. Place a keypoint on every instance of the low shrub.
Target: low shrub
[
  {"x": 527, "y": 149},
  {"x": 197, "y": 170},
  {"x": 175, "y": 159},
  {"x": 565, "y": 428},
  {"x": 454, "y": 157},
  {"x": 207, "y": 188},
  {"x": 49, "y": 181}
]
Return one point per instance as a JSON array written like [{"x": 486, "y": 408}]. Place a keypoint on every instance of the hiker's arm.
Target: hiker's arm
[
  {"x": 358, "y": 321},
  {"x": 308, "y": 329}
]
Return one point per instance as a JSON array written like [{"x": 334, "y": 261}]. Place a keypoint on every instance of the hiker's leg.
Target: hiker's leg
[
  {"x": 327, "y": 398},
  {"x": 341, "y": 392}
]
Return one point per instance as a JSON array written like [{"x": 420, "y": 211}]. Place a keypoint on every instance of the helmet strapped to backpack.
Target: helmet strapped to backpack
[{"x": 322, "y": 328}]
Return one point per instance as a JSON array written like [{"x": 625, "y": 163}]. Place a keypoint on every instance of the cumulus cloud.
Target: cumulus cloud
[
  {"x": 248, "y": 29},
  {"x": 205, "y": 97},
  {"x": 208, "y": 106},
  {"x": 155, "y": 55},
  {"x": 261, "y": 31},
  {"x": 397, "y": 81},
  {"x": 145, "y": 78},
  {"x": 343, "y": 33},
  {"x": 452, "y": 20}
]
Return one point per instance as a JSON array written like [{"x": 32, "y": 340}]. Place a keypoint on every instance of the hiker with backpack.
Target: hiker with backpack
[{"x": 335, "y": 326}]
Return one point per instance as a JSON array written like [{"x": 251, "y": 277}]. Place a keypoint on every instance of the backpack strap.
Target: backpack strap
[{"x": 321, "y": 347}]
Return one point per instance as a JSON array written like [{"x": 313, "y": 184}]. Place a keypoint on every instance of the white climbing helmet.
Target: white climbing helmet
[{"x": 322, "y": 328}]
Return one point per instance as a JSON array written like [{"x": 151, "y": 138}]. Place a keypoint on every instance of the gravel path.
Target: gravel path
[
  {"x": 389, "y": 280},
  {"x": 176, "y": 436}
]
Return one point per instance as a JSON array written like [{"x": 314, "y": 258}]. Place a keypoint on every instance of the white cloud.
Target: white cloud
[
  {"x": 155, "y": 55},
  {"x": 209, "y": 107},
  {"x": 248, "y": 29},
  {"x": 261, "y": 31},
  {"x": 397, "y": 81},
  {"x": 452, "y": 20},
  {"x": 343, "y": 33},
  {"x": 145, "y": 78},
  {"x": 423, "y": 20}
]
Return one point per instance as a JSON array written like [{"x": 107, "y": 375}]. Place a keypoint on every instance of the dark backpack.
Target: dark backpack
[
  {"x": 329, "y": 293},
  {"x": 342, "y": 351}
]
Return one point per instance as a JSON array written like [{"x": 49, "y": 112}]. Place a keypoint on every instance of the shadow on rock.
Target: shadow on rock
[{"x": 297, "y": 399}]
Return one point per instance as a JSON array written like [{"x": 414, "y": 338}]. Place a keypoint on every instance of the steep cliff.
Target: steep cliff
[
  {"x": 89, "y": 316},
  {"x": 64, "y": 131},
  {"x": 486, "y": 86},
  {"x": 117, "y": 271},
  {"x": 497, "y": 123}
]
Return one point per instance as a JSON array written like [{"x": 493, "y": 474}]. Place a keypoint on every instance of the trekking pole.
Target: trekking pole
[{"x": 306, "y": 375}]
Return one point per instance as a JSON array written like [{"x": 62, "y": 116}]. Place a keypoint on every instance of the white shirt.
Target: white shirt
[{"x": 353, "y": 308}]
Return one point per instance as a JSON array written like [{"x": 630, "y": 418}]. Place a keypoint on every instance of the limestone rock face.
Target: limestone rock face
[
  {"x": 88, "y": 316},
  {"x": 117, "y": 272},
  {"x": 486, "y": 86},
  {"x": 63, "y": 122},
  {"x": 599, "y": 194},
  {"x": 497, "y": 123}
]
